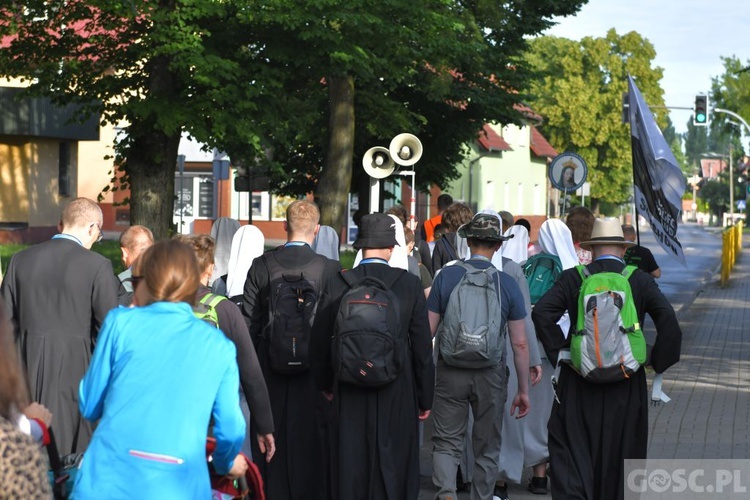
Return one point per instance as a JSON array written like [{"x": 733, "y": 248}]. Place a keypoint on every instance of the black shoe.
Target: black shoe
[
  {"x": 500, "y": 493},
  {"x": 538, "y": 485}
]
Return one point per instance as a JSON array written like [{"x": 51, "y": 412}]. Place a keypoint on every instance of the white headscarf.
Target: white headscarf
[
  {"x": 222, "y": 232},
  {"x": 399, "y": 258},
  {"x": 327, "y": 243},
  {"x": 247, "y": 244},
  {"x": 555, "y": 238},
  {"x": 516, "y": 248}
]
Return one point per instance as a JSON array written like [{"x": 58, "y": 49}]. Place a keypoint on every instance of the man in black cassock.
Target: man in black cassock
[
  {"x": 298, "y": 470},
  {"x": 594, "y": 427},
  {"x": 58, "y": 293},
  {"x": 376, "y": 446}
]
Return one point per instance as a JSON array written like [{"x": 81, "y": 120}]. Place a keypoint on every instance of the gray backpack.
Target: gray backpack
[{"x": 470, "y": 334}]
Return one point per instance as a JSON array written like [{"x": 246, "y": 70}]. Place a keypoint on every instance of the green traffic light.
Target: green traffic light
[{"x": 700, "y": 118}]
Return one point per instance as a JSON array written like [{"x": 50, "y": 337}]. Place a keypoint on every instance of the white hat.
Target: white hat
[{"x": 606, "y": 232}]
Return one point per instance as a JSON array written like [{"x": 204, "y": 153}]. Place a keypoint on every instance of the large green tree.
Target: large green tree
[
  {"x": 363, "y": 71},
  {"x": 160, "y": 67},
  {"x": 580, "y": 98},
  {"x": 310, "y": 83}
]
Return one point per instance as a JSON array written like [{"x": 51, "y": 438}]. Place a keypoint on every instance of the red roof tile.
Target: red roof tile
[
  {"x": 539, "y": 145},
  {"x": 491, "y": 140}
]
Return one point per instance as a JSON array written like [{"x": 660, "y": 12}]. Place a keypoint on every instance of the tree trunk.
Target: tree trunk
[
  {"x": 151, "y": 162},
  {"x": 335, "y": 180},
  {"x": 152, "y": 155}
]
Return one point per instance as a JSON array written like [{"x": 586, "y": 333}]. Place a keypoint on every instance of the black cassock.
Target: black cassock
[
  {"x": 301, "y": 416},
  {"x": 375, "y": 438},
  {"x": 595, "y": 427},
  {"x": 58, "y": 294}
]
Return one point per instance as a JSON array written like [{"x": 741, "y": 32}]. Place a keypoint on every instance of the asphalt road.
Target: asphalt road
[{"x": 680, "y": 283}]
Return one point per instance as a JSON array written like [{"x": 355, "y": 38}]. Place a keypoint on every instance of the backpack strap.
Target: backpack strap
[
  {"x": 448, "y": 248},
  {"x": 628, "y": 271},
  {"x": 583, "y": 271},
  {"x": 212, "y": 299}
]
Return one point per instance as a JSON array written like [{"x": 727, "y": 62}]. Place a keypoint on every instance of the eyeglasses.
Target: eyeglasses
[
  {"x": 135, "y": 280},
  {"x": 99, "y": 227}
]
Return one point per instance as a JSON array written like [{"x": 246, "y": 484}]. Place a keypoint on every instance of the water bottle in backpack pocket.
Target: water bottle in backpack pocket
[
  {"x": 367, "y": 348},
  {"x": 470, "y": 334}
]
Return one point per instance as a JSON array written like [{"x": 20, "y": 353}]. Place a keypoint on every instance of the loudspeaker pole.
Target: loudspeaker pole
[{"x": 374, "y": 195}]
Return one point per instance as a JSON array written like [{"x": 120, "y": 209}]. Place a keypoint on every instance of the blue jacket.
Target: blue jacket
[{"x": 157, "y": 376}]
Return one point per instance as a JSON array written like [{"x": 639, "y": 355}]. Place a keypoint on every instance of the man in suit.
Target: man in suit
[
  {"x": 300, "y": 413},
  {"x": 594, "y": 427},
  {"x": 376, "y": 448},
  {"x": 58, "y": 293}
]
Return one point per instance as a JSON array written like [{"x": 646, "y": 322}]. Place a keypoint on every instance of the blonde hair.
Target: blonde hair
[
  {"x": 169, "y": 270},
  {"x": 80, "y": 212},
  {"x": 302, "y": 217},
  {"x": 136, "y": 238}
]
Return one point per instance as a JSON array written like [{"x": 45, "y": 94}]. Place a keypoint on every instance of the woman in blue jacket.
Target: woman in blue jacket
[{"x": 157, "y": 376}]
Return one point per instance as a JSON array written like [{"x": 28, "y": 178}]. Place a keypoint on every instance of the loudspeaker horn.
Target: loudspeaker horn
[
  {"x": 378, "y": 163},
  {"x": 405, "y": 149}
]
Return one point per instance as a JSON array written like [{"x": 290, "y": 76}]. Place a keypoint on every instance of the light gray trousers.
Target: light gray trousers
[{"x": 457, "y": 389}]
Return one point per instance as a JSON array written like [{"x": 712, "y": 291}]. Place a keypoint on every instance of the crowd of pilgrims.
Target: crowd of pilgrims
[{"x": 152, "y": 376}]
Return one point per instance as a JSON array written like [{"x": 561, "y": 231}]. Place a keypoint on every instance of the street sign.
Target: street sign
[
  {"x": 568, "y": 172},
  {"x": 741, "y": 205}
]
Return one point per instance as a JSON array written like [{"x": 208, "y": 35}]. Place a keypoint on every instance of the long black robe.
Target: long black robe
[
  {"x": 376, "y": 448},
  {"x": 595, "y": 427},
  {"x": 300, "y": 413},
  {"x": 57, "y": 294}
]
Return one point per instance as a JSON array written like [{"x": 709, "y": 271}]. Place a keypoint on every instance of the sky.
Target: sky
[{"x": 690, "y": 37}]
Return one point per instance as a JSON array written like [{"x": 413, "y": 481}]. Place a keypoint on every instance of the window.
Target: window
[{"x": 63, "y": 169}]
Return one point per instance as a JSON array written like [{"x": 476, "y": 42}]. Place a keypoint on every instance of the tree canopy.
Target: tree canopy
[
  {"x": 580, "y": 97},
  {"x": 311, "y": 83}
]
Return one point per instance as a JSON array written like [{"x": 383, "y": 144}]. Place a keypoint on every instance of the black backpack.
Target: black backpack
[
  {"x": 292, "y": 304},
  {"x": 367, "y": 348}
]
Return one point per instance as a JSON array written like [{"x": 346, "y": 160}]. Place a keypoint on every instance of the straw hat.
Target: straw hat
[{"x": 606, "y": 232}]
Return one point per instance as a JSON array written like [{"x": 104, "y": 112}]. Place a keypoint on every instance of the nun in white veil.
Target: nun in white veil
[
  {"x": 247, "y": 245},
  {"x": 554, "y": 238},
  {"x": 222, "y": 231},
  {"x": 399, "y": 257},
  {"x": 326, "y": 243},
  {"x": 516, "y": 248}
]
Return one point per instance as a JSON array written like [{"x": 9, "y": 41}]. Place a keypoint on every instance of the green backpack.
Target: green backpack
[
  {"x": 608, "y": 344},
  {"x": 206, "y": 308},
  {"x": 541, "y": 272}
]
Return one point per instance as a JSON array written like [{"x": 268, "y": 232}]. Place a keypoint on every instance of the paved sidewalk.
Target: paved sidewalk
[
  {"x": 709, "y": 415},
  {"x": 710, "y": 387}
]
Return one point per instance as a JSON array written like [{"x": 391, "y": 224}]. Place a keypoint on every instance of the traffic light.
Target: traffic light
[{"x": 700, "y": 110}]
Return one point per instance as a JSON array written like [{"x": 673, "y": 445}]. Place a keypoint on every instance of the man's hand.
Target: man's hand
[
  {"x": 535, "y": 372},
  {"x": 328, "y": 396},
  {"x": 35, "y": 410},
  {"x": 267, "y": 445},
  {"x": 520, "y": 403},
  {"x": 423, "y": 414},
  {"x": 239, "y": 467}
]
